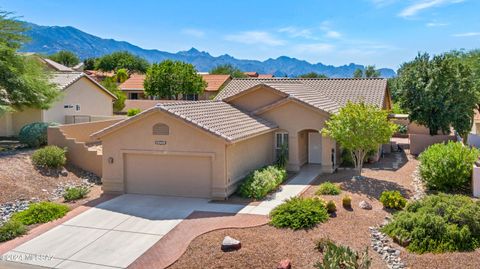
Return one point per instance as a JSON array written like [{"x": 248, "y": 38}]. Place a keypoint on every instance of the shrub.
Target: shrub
[
  {"x": 347, "y": 201},
  {"x": 133, "y": 111},
  {"x": 11, "y": 229},
  {"x": 49, "y": 156},
  {"x": 328, "y": 188},
  {"x": 260, "y": 182},
  {"x": 447, "y": 167},
  {"x": 299, "y": 213},
  {"x": 75, "y": 193},
  {"x": 331, "y": 207},
  {"x": 343, "y": 257},
  {"x": 322, "y": 243},
  {"x": 437, "y": 223},
  {"x": 35, "y": 134},
  {"x": 40, "y": 213},
  {"x": 393, "y": 199}
]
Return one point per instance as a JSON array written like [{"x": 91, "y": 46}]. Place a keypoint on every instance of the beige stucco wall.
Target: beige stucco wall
[
  {"x": 92, "y": 101},
  {"x": 420, "y": 142},
  {"x": 6, "y": 125},
  {"x": 256, "y": 99},
  {"x": 183, "y": 140},
  {"x": 81, "y": 132},
  {"x": 246, "y": 156},
  {"x": 294, "y": 118},
  {"x": 21, "y": 118}
]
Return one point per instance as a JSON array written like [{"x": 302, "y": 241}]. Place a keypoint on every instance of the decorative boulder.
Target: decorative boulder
[
  {"x": 284, "y": 264},
  {"x": 365, "y": 205},
  {"x": 230, "y": 244}
]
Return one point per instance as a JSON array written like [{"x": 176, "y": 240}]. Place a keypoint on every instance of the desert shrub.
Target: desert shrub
[
  {"x": 437, "y": 223},
  {"x": 343, "y": 257},
  {"x": 299, "y": 213},
  {"x": 34, "y": 134},
  {"x": 393, "y": 199},
  {"x": 49, "y": 156},
  {"x": 347, "y": 201},
  {"x": 11, "y": 229},
  {"x": 447, "y": 167},
  {"x": 133, "y": 111},
  {"x": 331, "y": 206},
  {"x": 328, "y": 188},
  {"x": 262, "y": 181},
  {"x": 40, "y": 213},
  {"x": 75, "y": 193}
]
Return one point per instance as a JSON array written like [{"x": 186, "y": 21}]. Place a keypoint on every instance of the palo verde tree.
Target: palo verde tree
[
  {"x": 439, "y": 92},
  {"x": 23, "y": 82},
  {"x": 359, "y": 128},
  {"x": 227, "y": 69},
  {"x": 170, "y": 79},
  {"x": 122, "y": 59},
  {"x": 65, "y": 57}
]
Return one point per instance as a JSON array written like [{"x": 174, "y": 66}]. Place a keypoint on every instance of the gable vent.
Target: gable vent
[{"x": 161, "y": 129}]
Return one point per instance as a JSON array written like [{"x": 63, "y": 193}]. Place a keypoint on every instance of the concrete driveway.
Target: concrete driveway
[{"x": 112, "y": 234}]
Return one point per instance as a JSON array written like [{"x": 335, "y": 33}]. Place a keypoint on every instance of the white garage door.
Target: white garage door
[{"x": 168, "y": 175}]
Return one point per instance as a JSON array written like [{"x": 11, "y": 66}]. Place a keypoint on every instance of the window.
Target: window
[
  {"x": 67, "y": 106},
  {"x": 134, "y": 96},
  {"x": 281, "y": 138},
  {"x": 160, "y": 129},
  {"x": 77, "y": 107}
]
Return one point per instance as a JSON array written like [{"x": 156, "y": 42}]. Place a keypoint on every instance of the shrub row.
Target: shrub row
[{"x": 262, "y": 181}]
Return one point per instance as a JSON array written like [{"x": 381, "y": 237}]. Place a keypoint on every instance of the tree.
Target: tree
[
  {"x": 438, "y": 92},
  {"x": 23, "y": 82},
  {"x": 371, "y": 72},
  {"x": 122, "y": 59},
  {"x": 359, "y": 128},
  {"x": 227, "y": 69},
  {"x": 358, "y": 73},
  {"x": 111, "y": 85},
  {"x": 89, "y": 63},
  {"x": 170, "y": 79},
  {"x": 122, "y": 75},
  {"x": 65, "y": 57},
  {"x": 312, "y": 75}
]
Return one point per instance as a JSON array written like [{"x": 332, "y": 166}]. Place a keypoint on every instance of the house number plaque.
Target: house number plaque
[{"x": 160, "y": 142}]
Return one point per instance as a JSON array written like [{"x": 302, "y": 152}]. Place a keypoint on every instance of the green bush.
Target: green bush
[
  {"x": 49, "y": 156},
  {"x": 331, "y": 207},
  {"x": 75, "y": 193},
  {"x": 347, "y": 201},
  {"x": 328, "y": 188},
  {"x": 393, "y": 199},
  {"x": 447, "y": 167},
  {"x": 437, "y": 223},
  {"x": 299, "y": 213},
  {"x": 260, "y": 182},
  {"x": 133, "y": 111},
  {"x": 35, "y": 134},
  {"x": 343, "y": 257},
  {"x": 322, "y": 243},
  {"x": 40, "y": 213},
  {"x": 11, "y": 229}
]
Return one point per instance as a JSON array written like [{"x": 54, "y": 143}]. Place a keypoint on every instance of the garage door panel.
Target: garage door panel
[{"x": 168, "y": 175}]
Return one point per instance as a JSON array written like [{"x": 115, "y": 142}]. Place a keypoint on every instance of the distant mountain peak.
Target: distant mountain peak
[{"x": 51, "y": 39}]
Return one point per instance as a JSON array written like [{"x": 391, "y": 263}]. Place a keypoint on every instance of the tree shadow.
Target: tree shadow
[{"x": 373, "y": 187}]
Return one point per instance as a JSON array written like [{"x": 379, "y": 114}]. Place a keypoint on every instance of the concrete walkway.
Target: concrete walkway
[{"x": 117, "y": 232}]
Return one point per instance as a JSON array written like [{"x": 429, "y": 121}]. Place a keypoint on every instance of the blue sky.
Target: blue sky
[{"x": 381, "y": 32}]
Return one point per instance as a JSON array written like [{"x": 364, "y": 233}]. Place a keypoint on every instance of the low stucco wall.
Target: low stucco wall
[
  {"x": 419, "y": 142},
  {"x": 476, "y": 181},
  {"x": 81, "y": 131}
]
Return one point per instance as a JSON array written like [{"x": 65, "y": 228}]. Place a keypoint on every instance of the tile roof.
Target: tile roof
[
  {"x": 215, "y": 82},
  {"x": 340, "y": 91},
  {"x": 265, "y": 76},
  {"x": 57, "y": 66},
  {"x": 134, "y": 82},
  {"x": 216, "y": 117},
  {"x": 144, "y": 104},
  {"x": 64, "y": 79}
]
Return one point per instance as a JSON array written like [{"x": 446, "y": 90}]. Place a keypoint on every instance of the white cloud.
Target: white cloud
[
  {"x": 193, "y": 32},
  {"x": 314, "y": 48},
  {"x": 333, "y": 34},
  {"x": 326, "y": 27},
  {"x": 420, "y": 5},
  {"x": 436, "y": 24},
  {"x": 255, "y": 37},
  {"x": 296, "y": 32},
  {"x": 469, "y": 34}
]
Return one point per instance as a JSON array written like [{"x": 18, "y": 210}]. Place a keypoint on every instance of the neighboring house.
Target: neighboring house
[
  {"x": 205, "y": 148},
  {"x": 133, "y": 87},
  {"x": 98, "y": 75},
  {"x": 257, "y": 75},
  {"x": 82, "y": 99}
]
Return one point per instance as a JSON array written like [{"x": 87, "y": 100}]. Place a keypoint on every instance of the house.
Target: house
[
  {"x": 98, "y": 75},
  {"x": 205, "y": 148},
  {"x": 82, "y": 99},
  {"x": 257, "y": 75},
  {"x": 133, "y": 87}
]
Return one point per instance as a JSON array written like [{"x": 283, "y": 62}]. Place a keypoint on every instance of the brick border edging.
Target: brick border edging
[
  {"x": 45, "y": 227},
  {"x": 191, "y": 228}
]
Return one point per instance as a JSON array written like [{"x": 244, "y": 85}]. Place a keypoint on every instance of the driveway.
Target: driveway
[{"x": 113, "y": 234}]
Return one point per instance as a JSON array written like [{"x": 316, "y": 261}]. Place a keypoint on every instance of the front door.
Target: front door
[{"x": 314, "y": 147}]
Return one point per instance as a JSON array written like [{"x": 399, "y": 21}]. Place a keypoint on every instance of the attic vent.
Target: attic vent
[{"x": 161, "y": 129}]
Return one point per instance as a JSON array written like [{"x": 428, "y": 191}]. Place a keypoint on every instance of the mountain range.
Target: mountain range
[{"x": 51, "y": 39}]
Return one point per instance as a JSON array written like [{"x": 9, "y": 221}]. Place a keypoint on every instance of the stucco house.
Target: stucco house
[
  {"x": 205, "y": 148},
  {"x": 82, "y": 99}
]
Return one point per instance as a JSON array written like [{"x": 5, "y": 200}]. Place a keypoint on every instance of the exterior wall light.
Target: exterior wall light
[{"x": 110, "y": 160}]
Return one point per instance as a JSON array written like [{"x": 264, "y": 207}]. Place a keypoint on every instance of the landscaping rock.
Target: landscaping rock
[
  {"x": 388, "y": 253},
  {"x": 230, "y": 244},
  {"x": 64, "y": 172},
  {"x": 284, "y": 264},
  {"x": 7, "y": 209},
  {"x": 365, "y": 205}
]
